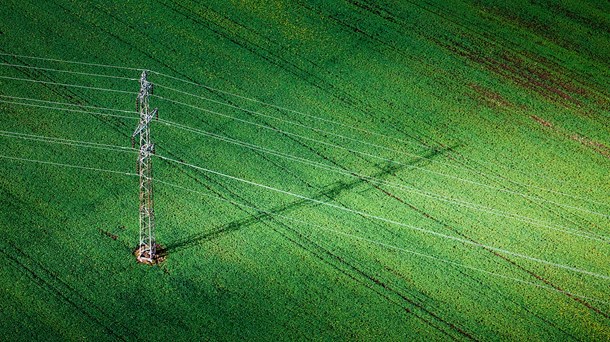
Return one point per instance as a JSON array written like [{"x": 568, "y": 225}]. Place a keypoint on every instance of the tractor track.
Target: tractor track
[
  {"x": 314, "y": 249},
  {"x": 497, "y": 254},
  {"x": 268, "y": 55},
  {"x": 393, "y": 19},
  {"x": 376, "y": 281},
  {"x": 46, "y": 279}
]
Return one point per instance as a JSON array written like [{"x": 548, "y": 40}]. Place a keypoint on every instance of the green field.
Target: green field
[{"x": 325, "y": 170}]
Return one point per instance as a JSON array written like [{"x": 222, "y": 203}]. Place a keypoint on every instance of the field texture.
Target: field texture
[{"x": 326, "y": 170}]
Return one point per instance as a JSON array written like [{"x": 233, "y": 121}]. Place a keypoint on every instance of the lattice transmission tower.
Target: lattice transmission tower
[{"x": 147, "y": 249}]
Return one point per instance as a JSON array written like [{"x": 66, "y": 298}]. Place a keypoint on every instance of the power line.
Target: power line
[
  {"x": 220, "y": 91},
  {"x": 277, "y": 130},
  {"x": 389, "y": 221},
  {"x": 375, "y": 133},
  {"x": 70, "y": 110},
  {"x": 358, "y": 152},
  {"x": 273, "y": 106},
  {"x": 76, "y": 143},
  {"x": 301, "y": 113},
  {"x": 281, "y": 120},
  {"x": 379, "y": 243},
  {"x": 68, "y": 71},
  {"x": 432, "y": 195},
  {"x": 70, "y": 61},
  {"x": 68, "y": 165},
  {"x": 435, "y": 196},
  {"x": 293, "y": 111},
  {"x": 216, "y": 90},
  {"x": 68, "y": 104},
  {"x": 322, "y": 131},
  {"x": 67, "y": 85},
  {"x": 173, "y": 123}
]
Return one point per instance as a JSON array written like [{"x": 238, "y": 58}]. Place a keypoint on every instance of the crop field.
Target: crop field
[{"x": 325, "y": 170}]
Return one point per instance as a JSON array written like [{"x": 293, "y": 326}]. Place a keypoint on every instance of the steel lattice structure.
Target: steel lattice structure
[{"x": 147, "y": 249}]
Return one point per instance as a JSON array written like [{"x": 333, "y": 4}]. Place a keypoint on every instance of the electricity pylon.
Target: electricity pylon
[{"x": 147, "y": 249}]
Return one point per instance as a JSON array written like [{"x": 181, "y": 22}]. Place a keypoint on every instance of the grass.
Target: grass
[{"x": 488, "y": 103}]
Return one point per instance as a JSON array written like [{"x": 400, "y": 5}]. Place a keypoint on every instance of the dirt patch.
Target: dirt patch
[
  {"x": 541, "y": 121},
  {"x": 594, "y": 145},
  {"x": 547, "y": 64},
  {"x": 531, "y": 78},
  {"x": 489, "y": 97},
  {"x": 535, "y": 75},
  {"x": 590, "y": 143},
  {"x": 109, "y": 234}
]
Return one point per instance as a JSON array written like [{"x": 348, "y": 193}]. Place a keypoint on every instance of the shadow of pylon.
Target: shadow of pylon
[{"x": 330, "y": 193}]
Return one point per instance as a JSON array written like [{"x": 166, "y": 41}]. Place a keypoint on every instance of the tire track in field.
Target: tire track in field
[
  {"x": 475, "y": 241},
  {"x": 424, "y": 138},
  {"x": 519, "y": 305},
  {"x": 336, "y": 262},
  {"x": 532, "y": 79},
  {"x": 486, "y": 177},
  {"x": 557, "y": 213},
  {"x": 450, "y": 324},
  {"x": 323, "y": 254},
  {"x": 371, "y": 222},
  {"x": 375, "y": 37},
  {"x": 329, "y": 194},
  {"x": 497, "y": 254},
  {"x": 468, "y": 167},
  {"x": 194, "y": 178},
  {"x": 541, "y": 29},
  {"x": 64, "y": 92},
  {"x": 277, "y": 60},
  {"x": 537, "y": 77},
  {"x": 49, "y": 281},
  {"x": 428, "y": 216},
  {"x": 75, "y": 96},
  {"x": 591, "y": 23},
  {"x": 36, "y": 278},
  {"x": 389, "y": 17},
  {"x": 489, "y": 38},
  {"x": 393, "y": 19}
]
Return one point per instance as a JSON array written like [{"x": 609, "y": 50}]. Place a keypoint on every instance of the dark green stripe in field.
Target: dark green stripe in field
[{"x": 481, "y": 124}]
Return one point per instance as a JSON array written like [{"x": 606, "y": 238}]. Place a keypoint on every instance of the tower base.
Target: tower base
[{"x": 143, "y": 256}]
